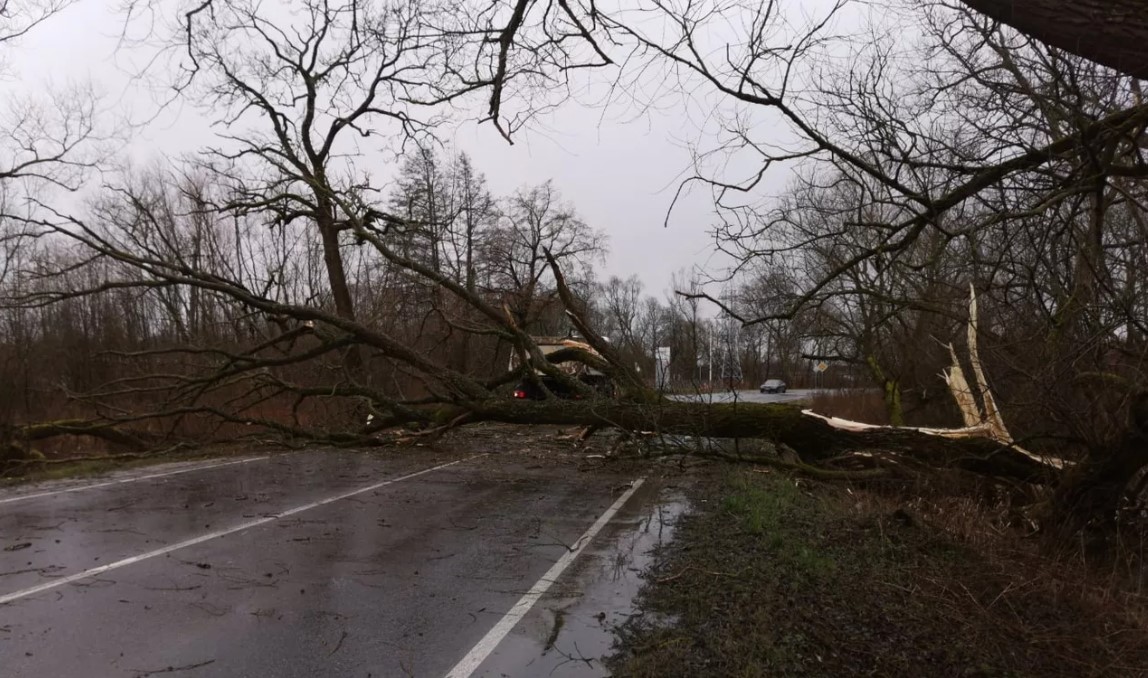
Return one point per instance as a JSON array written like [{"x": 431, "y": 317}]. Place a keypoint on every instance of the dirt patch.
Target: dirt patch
[{"x": 772, "y": 576}]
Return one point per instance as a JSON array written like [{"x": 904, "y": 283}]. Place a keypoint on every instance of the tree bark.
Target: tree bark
[
  {"x": 812, "y": 438},
  {"x": 16, "y": 448},
  {"x": 1091, "y": 494},
  {"x": 336, "y": 275},
  {"x": 1113, "y": 33},
  {"x": 80, "y": 427},
  {"x": 340, "y": 290}
]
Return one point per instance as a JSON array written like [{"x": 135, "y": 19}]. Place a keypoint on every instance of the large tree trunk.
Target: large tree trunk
[
  {"x": 1110, "y": 32},
  {"x": 340, "y": 290},
  {"x": 811, "y": 437},
  {"x": 1091, "y": 494},
  {"x": 336, "y": 275}
]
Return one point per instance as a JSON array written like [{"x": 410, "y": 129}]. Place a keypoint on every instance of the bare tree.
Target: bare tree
[
  {"x": 536, "y": 224},
  {"x": 621, "y": 306},
  {"x": 43, "y": 136},
  {"x": 301, "y": 95},
  {"x": 968, "y": 157},
  {"x": 477, "y": 214},
  {"x": 19, "y": 17},
  {"x": 423, "y": 198}
]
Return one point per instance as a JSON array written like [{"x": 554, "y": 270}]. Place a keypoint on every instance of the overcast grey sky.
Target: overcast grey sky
[{"x": 620, "y": 172}]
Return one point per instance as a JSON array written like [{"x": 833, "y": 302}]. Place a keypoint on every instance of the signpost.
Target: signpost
[
  {"x": 819, "y": 368},
  {"x": 662, "y": 368}
]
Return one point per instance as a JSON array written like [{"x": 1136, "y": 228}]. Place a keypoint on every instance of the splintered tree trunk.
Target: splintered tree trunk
[{"x": 812, "y": 438}]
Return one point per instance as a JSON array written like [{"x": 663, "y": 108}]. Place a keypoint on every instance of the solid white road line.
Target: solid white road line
[
  {"x": 132, "y": 479},
  {"x": 56, "y": 583},
  {"x": 482, "y": 650}
]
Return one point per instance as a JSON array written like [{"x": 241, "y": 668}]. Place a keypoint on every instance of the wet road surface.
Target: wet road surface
[
  {"x": 322, "y": 564},
  {"x": 790, "y": 396},
  {"x": 569, "y": 631}
]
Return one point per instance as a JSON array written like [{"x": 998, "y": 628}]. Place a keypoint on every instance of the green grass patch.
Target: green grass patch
[
  {"x": 773, "y": 510},
  {"x": 776, "y": 577}
]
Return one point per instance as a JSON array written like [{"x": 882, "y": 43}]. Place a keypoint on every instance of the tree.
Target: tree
[
  {"x": 778, "y": 345},
  {"x": 21, "y": 17},
  {"x": 301, "y": 96},
  {"x": 446, "y": 215},
  {"x": 973, "y": 155},
  {"x": 620, "y": 307},
  {"x": 448, "y": 210},
  {"x": 536, "y": 224},
  {"x": 423, "y": 199},
  {"x": 46, "y": 140},
  {"x": 477, "y": 214}
]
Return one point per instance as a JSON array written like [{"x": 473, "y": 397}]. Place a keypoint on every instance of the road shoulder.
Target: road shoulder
[{"x": 772, "y": 576}]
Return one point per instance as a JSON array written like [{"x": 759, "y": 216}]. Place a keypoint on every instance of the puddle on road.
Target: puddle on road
[{"x": 571, "y": 630}]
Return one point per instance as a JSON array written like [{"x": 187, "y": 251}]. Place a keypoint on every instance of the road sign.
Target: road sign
[
  {"x": 662, "y": 367},
  {"x": 821, "y": 366}
]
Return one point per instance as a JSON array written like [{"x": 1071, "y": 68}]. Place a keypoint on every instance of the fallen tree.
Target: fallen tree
[
  {"x": 453, "y": 398},
  {"x": 336, "y": 78},
  {"x": 448, "y": 397},
  {"x": 18, "y": 444},
  {"x": 822, "y": 446},
  {"x": 814, "y": 439}
]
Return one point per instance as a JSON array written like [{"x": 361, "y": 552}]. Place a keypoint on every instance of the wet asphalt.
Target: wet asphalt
[
  {"x": 207, "y": 576},
  {"x": 791, "y": 396}
]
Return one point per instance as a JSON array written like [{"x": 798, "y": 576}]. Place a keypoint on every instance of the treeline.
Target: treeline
[{"x": 82, "y": 335}]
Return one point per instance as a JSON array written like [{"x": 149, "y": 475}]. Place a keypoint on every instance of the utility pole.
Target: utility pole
[{"x": 711, "y": 360}]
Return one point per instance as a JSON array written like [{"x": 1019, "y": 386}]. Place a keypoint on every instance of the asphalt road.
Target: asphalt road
[
  {"x": 323, "y": 564},
  {"x": 791, "y": 396}
]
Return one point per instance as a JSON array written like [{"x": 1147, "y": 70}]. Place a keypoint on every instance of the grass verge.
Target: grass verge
[{"x": 769, "y": 577}]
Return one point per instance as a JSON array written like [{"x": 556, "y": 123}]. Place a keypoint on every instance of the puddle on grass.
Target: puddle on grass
[{"x": 570, "y": 631}]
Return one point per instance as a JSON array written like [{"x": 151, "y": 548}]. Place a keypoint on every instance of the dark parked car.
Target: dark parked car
[
  {"x": 527, "y": 389},
  {"x": 773, "y": 386},
  {"x": 557, "y": 351}
]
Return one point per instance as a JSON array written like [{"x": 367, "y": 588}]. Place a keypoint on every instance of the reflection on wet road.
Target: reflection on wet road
[
  {"x": 317, "y": 564},
  {"x": 568, "y": 634}
]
